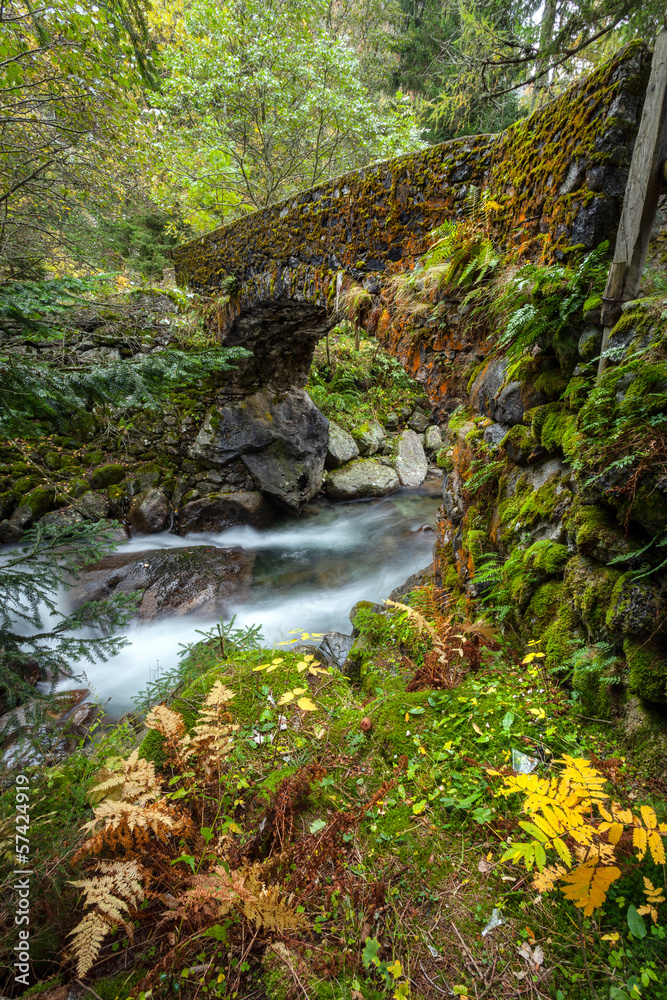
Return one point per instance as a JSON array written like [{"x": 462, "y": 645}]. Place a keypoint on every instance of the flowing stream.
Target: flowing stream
[{"x": 308, "y": 573}]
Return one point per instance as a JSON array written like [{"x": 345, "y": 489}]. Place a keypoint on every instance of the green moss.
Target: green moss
[
  {"x": 588, "y": 588},
  {"x": 107, "y": 475},
  {"x": 27, "y": 483},
  {"x": 645, "y": 728},
  {"x": 120, "y": 985},
  {"x": 547, "y": 557},
  {"x": 591, "y": 679},
  {"x": 551, "y": 384},
  {"x": 561, "y": 639},
  {"x": 40, "y": 501},
  {"x": 519, "y": 444},
  {"x": 647, "y": 670},
  {"x": 543, "y": 609}
]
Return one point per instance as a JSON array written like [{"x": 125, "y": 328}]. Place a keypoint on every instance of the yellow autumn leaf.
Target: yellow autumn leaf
[
  {"x": 306, "y": 705},
  {"x": 539, "y": 713},
  {"x": 545, "y": 880},
  {"x": 262, "y": 666},
  {"x": 613, "y": 937},
  {"x": 656, "y": 847},
  {"x": 286, "y": 698},
  {"x": 649, "y": 817},
  {"x": 477, "y": 729},
  {"x": 395, "y": 969},
  {"x": 588, "y": 885},
  {"x": 301, "y": 666},
  {"x": 419, "y": 807},
  {"x": 299, "y": 690},
  {"x": 234, "y": 828},
  {"x": 639, "y": 841}
]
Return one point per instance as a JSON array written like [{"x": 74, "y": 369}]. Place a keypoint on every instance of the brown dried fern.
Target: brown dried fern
[{"x": 112, "y": 894}]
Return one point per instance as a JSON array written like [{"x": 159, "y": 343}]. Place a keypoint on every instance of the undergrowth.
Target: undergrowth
[{"x": 356, "y": 845}]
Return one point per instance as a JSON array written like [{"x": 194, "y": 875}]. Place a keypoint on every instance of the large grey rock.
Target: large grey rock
[
  {"x": 281, "y": 438},
  {"x": 418, "y": 422},
  {"x": 93, "y": 506},
  {"x": 336, "y": 646},
  {"x": 411, "y": 463},
  {"x": 217, "y": 512},
  {"x": 494, "y": 433},
  {"x": 369, "y": 437},
  {"x": 198, "y": 578},
  {"x": 361, "y": 480},
  {"x": 149, "y": 511},
  {"x": 504, "y": 403},
  {"x": 342, "y": 447},
  {"x": 432, "y": 438}
]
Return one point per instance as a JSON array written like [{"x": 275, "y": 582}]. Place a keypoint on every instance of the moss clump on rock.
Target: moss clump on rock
[
  {"x": 543, "y": 608},
  {"x": 588, "y": 589},
  {"x": 647, "y": 669},
  {"x": 547, "y": 557},
  {"x": 107, "y": 475}
]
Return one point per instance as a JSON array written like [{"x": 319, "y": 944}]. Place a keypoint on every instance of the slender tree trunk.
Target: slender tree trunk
[{"x": 542, "y": 84}]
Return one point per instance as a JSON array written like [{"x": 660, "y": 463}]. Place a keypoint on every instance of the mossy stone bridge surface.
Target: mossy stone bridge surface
[{"x": 558, "y": 178}]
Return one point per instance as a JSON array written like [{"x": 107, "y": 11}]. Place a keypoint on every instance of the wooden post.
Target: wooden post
[{"x": 645, "y": 183}]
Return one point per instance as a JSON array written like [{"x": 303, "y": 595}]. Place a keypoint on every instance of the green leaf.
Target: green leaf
[
  {"x": 369, "y": 955},
  {"x": 636, "y": 923},
  {"x": 417, "y": 711},
  {"x": 317, "y": 825}
]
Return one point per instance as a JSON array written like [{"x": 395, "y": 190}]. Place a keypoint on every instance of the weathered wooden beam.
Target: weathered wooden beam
[{"x": 645, "y": 183}]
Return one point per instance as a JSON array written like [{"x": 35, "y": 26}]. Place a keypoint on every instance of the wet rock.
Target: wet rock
[
  {"x": 504, "y": 403},
  {"x": 391, "y": 421},
  {"x": 590, "y": 343},
  {"x": 418, "y": 422},
  {"x": 198, "y": 578},
  {"x": 411, "y": 464},
  {"x": 342, "y": 447},
  {"x": 281, "y": 438},
  {"x": 337, "y": 646},
  {"x": 149, "y": 511},
  {"x": 494, "y": 433},
  {"x": 9, "y": 532},
  {"x": 320, "y": 658},
  {"x": 452, "y": 496},
  {"x": 417, "y": 579},
  {"x": 221, "y": 511},
  {"x": 593, "y": 222},
  {"x": 370, "y": 437},
  {"x": 432, "y": 438},
  {"x": 635, "y": 607},
  {"x": 33, "y": 506},
  {"x": 361, "y": 480},
  {"x": 93, "y": 506}
]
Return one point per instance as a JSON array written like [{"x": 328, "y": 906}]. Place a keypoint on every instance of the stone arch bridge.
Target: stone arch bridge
[{"x": 558, "y": 176}]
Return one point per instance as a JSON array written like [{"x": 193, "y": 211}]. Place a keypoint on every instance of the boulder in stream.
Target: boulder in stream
[
  {"x": 197, "y": 579},
  {"x": 216, "y": 512},
  {"x": 281, "y": 438},
  {"x": 149, "y": 511},
  {"x": 411, "y": 463},
  {"x": 361, "y": 480}
]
